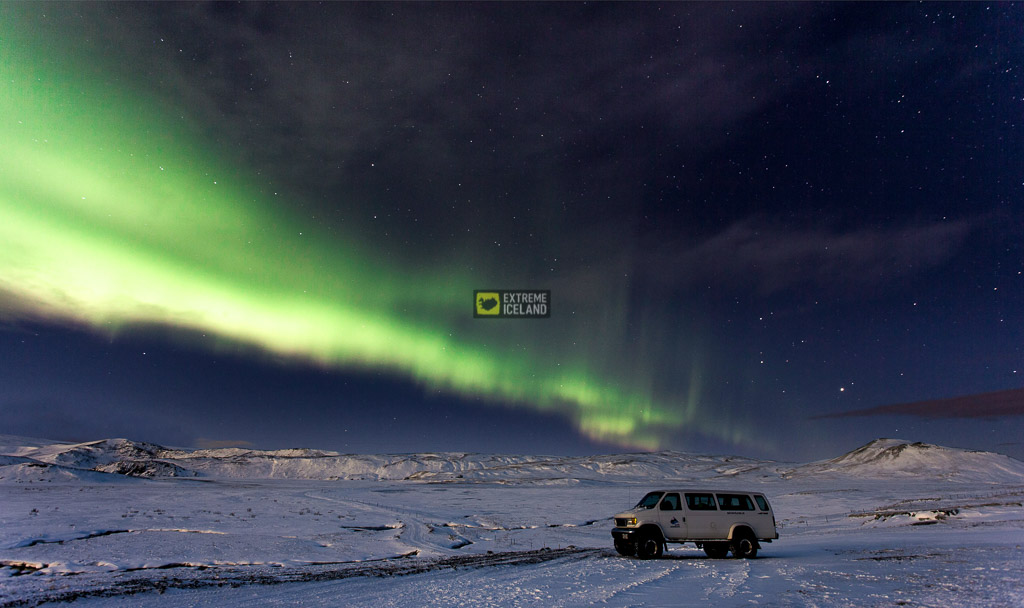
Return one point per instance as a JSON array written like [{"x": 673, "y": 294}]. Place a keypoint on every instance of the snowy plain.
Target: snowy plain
[{"x": 123, "y": 523}]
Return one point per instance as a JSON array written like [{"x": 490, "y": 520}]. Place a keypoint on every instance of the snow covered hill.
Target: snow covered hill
[{"x": 881, "y": 458}]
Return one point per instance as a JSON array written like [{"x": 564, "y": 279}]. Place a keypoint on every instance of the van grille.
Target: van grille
[{"x": 620, "y": 522}]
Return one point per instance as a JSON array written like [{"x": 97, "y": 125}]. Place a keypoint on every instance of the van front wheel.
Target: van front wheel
[{"x": 648, "y": 547}]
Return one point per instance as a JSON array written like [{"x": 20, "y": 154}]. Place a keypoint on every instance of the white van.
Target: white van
[{"x": 715, "y": 520}]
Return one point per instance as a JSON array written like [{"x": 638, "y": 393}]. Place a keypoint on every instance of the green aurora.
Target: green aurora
[{"x": 118, "y": 215}]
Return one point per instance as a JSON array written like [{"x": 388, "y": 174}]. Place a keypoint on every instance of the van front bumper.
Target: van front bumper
[{"x": 625, "y": 535}]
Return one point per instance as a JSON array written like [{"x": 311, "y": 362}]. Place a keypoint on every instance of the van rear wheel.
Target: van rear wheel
[{"x": 744, "y": 546}]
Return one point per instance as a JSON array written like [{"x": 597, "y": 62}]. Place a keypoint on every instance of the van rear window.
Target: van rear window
[
  {"x": 735, "y": 502},
  {"x": 761, "y": 502}
]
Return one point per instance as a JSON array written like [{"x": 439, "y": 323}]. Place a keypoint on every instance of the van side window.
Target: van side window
[
  {"x": 761, "y": 502},
  {"x": 700, "y": 502},
  {"x": 735, "y": 502},
  {"x": 671, "y": 503}
]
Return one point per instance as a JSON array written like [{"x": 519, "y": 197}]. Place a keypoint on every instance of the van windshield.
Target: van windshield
[{"x": 650, "y": 501}]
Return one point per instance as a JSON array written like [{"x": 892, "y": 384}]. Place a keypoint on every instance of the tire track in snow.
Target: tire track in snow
[
  {"x": 634, "y": 588},
  {"x": 206, "y": 577},
  {"x": 414, "y": 532}
]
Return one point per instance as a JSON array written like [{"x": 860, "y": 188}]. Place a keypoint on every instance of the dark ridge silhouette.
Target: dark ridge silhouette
[{"x": 983, "y": 405}]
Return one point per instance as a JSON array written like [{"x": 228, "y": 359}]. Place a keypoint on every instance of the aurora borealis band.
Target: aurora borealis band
[
  {"x": 263, "y": 223},
  {"x": 115, "y": 217}
]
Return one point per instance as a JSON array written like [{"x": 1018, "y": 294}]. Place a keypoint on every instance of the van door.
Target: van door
[
  {"x": 701, "y": 515},
  {"x": 672, "y": 517}
]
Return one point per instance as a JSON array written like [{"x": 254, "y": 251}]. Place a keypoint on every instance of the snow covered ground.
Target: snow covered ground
[{"x": 122, "y": 523}]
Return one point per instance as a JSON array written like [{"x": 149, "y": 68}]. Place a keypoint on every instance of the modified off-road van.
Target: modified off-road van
[{"x": 716, "y": 521}]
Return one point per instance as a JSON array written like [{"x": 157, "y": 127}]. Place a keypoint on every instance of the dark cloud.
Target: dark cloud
[
  {"x": 771, "y": 258},
  {"x": 984, "y": 405},
  {"x": 350, "y": 80},
  {"x": 487, "y": 111}
]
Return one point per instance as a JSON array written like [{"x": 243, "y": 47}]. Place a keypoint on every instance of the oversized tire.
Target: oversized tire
[
  {"x": 744, "y": 546},
  {"x": 716, "y": 550},
  {"x": 625, "y": 548},
  {"x": 648, "y": 546}
]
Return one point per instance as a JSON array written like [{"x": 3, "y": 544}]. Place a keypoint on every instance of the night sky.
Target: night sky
[{"x": 776, "y": 230}]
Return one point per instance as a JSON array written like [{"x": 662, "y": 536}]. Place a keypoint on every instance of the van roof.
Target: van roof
[{"x": 707, "y": 491}]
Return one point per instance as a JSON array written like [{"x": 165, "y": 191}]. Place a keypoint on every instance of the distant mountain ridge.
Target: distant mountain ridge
[{"x": 881, "y": 458}]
